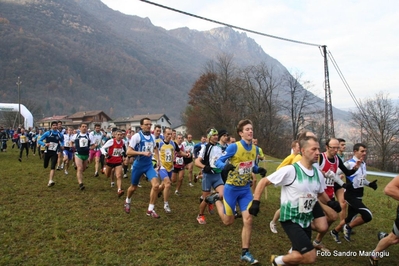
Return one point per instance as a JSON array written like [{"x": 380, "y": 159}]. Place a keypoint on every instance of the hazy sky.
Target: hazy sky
[{"x": 362, "y": 36}]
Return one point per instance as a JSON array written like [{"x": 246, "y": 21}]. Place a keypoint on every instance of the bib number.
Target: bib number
[
  {"x": 168, "y": 156},
  {"x": 117, "y": 152},
  {"x": 306, "y": 203},
  {"x": 52, "y": 146},
  {"x": 329, "y": 182},
  {"x": 83, "y": 142},
  {"x": 245, "y": 168},
  {"x": 179, "y": 161}
]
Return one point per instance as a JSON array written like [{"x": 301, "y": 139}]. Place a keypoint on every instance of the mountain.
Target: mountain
[{"x": 75, "y": 55}]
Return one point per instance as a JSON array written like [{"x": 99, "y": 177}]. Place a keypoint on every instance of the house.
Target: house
[
  {"x": 46, "y": 122},
  {"x": 181, "y": 129},
  {"x": 89, "y": 117},
  {"x": 134, "y": 121}
]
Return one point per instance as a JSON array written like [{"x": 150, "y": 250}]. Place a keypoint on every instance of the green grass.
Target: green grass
[{"x": 65, "y": 226}]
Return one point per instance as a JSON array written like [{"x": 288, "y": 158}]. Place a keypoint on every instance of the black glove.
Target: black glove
[
  {"x": 254, "y": 209},
  {"x": 334, "y": 205},
  {"x": 262, "y": 171},
  {"x": 208, "y": 169},
  {"x": 229, "y": 167},
  {"x": 373, "y": 184}
]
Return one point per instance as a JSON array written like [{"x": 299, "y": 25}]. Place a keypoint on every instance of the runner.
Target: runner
[
  {"x": 142, "y": 145},
  {"x": 114, "y": 150},
  {"x": 53, "y": 141},
  {"x": 83, "y": 145}
]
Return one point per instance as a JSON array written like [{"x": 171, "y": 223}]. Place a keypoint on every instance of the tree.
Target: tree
[
  {"x": 301, "y": 103},
  {"x": 261, "y": 104},
  {"x": 213, "y": 99},
  {"x": 378, "y": 118}
]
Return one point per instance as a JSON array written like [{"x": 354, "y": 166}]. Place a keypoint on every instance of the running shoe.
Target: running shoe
[
  {"x": 195, "y": 178},
  {"x": 81, "y": 186},
  {"x": 320, "y": 246},
  {"x": 125, "y": 176},
  {"x": 127, "y": 207},
  {"x": 120, "y": 193},
  {"x": 112, "y": 184},
  {"x": 273, "y": 227},
  {"x": 167, "y": 208},
  {"x": 58, "y": 168},
  {"x": 249, "y": 258},
  {"x": 66, "y": 172},
  {"x": 190, "y": 184},
  {"x": 51, "y": 183},
  {"x": 19, "y": 159},
  {"x": 139, "y": 185},
  {"x": 201, "y": 219},
  {"x": 237, "y": 215},
  {"x": 96, "y": 174},
  {"x": 211, "y": 208},
  {"x": 177, "y": 193},
  {"x": 153, "y": 214},
  {"x": 381, "y": 235},
  {"x": 373, "y": 261},
  {"x": 273, "y": 260},
  {"x": 212, "y": 198},
  {"x": 335, "y": 237},
  {"x": 347, "y": 233}
]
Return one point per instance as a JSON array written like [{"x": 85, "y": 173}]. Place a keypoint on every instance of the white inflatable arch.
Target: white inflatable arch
[{"x": 13, "y": 107}]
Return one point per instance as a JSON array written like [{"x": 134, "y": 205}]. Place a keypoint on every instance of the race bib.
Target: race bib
[
  {"x": 179, "y": 161},
  {"x": 168, "y": 155},
  {"x": 148, "y": 147},
  {"x": 306, "y": 202},
  {"x": 245, "y": 167},
  {"x": 52, "y": 146},
  {"x": 22, "y": 139},
  {"x": 117, "y": 152},
  {"x": 83, "y": 142},
  {"x": 329, "y": 182}
]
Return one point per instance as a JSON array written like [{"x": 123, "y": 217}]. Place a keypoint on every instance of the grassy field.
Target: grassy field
[{"x": 62, "y": 225}]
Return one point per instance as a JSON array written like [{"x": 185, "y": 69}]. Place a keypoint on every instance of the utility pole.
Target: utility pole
[
  {"x": 19, "y": 102},
  {"x": 328, "y": 115}
]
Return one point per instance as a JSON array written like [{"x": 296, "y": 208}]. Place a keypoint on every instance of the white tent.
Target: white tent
[{"x": 13, "y": 107}]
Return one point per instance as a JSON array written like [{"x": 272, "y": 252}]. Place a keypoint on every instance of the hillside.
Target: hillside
[{"x": 76, "y": 55}]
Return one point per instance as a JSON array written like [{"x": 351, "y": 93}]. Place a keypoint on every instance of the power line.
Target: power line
[{"x": 229, "y": 25}]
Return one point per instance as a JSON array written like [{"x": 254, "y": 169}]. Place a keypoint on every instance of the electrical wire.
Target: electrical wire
[{"x": 229, "y": 25}]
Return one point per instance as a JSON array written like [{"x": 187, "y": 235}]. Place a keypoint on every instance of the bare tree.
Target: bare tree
[
  {"x": 213, "y": 99},
  {"x": 301, "y": 104},
  {"x": 261, "y": 104},
  {"x": 378, "y": 118}
]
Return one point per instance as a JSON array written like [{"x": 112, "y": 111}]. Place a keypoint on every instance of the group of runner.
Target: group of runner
[{"x": 317, "y": 188}]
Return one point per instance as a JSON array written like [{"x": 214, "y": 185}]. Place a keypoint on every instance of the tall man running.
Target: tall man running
[
  {"x": 301, "y": 186},
  {"x": 142, "y": 145},
  {"x": 242, "y": 163}
]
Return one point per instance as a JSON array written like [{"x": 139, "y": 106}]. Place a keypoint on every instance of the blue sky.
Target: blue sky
[{"x": 362, "y": 36}]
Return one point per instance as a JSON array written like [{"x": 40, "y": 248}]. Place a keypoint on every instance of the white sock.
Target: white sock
[
  {"x": 128, "y": 200},
  {"x": 166, "y": 203},
  {"x": 151, "y": 207}
]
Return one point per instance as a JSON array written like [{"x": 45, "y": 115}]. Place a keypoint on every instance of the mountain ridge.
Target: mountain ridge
[{"x": 81, "y": 55}]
